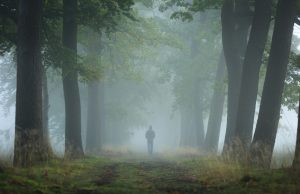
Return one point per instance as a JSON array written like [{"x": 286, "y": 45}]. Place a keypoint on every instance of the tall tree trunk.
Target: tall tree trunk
[
  {"x": 250, "y": 75},
  {"x": 93, "y": 141},
  {"x": 73, "y": 141},
  {"x": 46, "y": 106},
  {"x": 269, "y": 112},
  {"x": 216, "y": 109},
  {"x": 296, "y": 161},
  {"x": 192, "y": 127},
  {"x": 196, "y": 108},
  {"x": 198, "y": 115},
  {"x": 235, "y": 27},
  {"x": 29, "y": 147},
  {"x": 190, "y": 134}
]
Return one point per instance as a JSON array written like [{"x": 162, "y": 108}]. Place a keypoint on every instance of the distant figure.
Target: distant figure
[{"x": 150, "y": 134}]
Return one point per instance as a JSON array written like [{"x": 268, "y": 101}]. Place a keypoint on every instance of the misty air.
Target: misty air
[{"x": 149, "y": 96}]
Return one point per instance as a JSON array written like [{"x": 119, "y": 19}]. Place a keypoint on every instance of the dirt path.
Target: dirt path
[{"x": 156, "y": 176}]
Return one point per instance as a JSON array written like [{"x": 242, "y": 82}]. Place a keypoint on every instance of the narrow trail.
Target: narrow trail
[{"x": 144, "y": 176}]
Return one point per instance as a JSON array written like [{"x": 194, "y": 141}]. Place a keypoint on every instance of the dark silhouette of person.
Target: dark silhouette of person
[{"x": 150, "y": 134}]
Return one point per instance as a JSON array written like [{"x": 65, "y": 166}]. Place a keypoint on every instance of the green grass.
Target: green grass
[{"x": 138, "y": 173}]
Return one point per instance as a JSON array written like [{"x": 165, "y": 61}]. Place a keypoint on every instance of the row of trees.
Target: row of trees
[
  {"x": 244, "y": 50},
  {"x": 48, "y": 34},
  {"x": 109, "y": 37},
  {"x": 38, "y": 46}
]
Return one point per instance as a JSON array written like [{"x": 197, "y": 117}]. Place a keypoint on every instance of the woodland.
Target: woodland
[{"x": 81, "y": 81}]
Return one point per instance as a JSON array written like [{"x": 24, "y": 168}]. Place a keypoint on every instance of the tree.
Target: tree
[
  {"x": 236, "y": 20},
  {"x": 73, "y": 141},
  {"x": 216, "y": 109},
  {"x": 8, "y": 42},
  {"x": 46, "y": 105},
  {"x": 29, "y": 141},
  {"x": 192, "y": 80},
  {"x": 296, "y": 161},
  {"x": 250, "y": 75},
  {"x": 264, "y": 138},
  {"x": 193, "y": 105},
  {"x": 97, "y": 15}
]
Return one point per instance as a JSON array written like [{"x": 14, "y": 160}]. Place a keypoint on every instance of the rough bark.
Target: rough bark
[
  {"x": 29, "y": 147},
  {"x": 236, "y": 21},
  {"x": 73, "y": 141},
  {"x": 216, "y": 109},
  {"x": 269, "y": 112},
  {"x": 250, "y": 75},
  {"x": 296, "y": 161}
]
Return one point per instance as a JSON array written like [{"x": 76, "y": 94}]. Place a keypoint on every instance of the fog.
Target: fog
[
  {"x": 166, "y": 125},
  {"x": 150, "y": 73}
]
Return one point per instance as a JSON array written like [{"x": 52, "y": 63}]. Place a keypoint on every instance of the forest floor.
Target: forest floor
[{"x": 138, "y": 173}]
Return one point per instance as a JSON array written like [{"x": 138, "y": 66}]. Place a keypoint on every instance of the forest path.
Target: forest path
[
  {"x": 118, "y": 173},
  {"x": 149, "y": 174}
]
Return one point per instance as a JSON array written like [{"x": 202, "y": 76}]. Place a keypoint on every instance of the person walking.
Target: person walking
[{"x": 150, "y": 135}]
